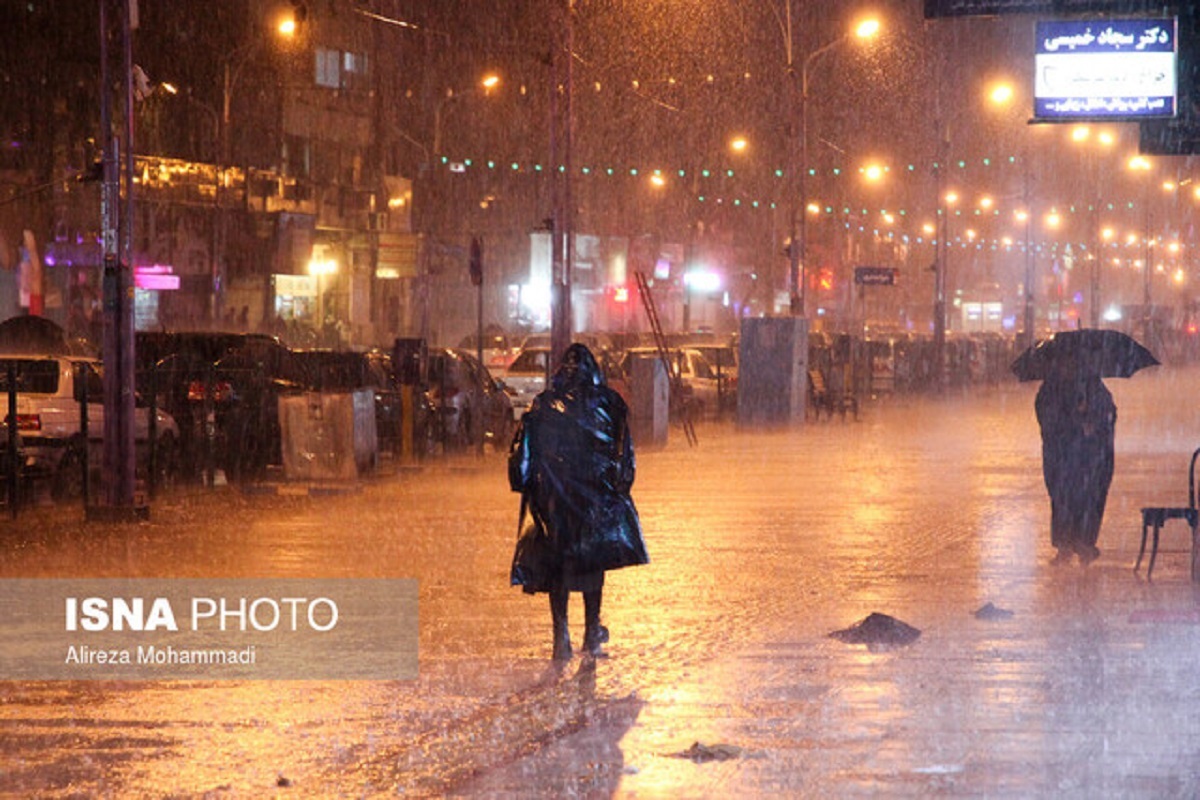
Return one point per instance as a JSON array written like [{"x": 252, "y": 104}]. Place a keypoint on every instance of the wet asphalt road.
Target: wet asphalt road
[{"x": 761, "y": 543}]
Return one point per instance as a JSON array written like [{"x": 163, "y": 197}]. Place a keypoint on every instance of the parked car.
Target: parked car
[
  {"x": 347, "y": 371},
  {"x": 596, "y": 342},
  {"x": 703, "y": 389},
  {"x": 468, "y": 401},
  {"x": 499, "y": 349},
  {"x": 224, "y": 390},
  {"x": 723, "y": 359},
  {"x": 526, "y": 377},
  {"x": 49, "y": 394}
]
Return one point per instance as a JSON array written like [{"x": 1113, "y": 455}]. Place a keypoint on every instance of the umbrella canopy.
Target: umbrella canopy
[{"x": 1085, "y": 352}]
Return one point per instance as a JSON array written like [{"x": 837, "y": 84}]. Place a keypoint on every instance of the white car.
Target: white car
[
  {"x": 525, "y": 378},
  {"x": 49, "y": 391},
  {"x": 703, "y": 389}
]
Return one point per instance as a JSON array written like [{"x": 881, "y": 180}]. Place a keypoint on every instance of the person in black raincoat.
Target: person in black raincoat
[
  {"x": 1078, "y": 419},
  {"x": 572, "y": 459}
]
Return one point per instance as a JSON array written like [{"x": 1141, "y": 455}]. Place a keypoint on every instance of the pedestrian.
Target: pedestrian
[
  {"x": 1078, "y": 420},
  {"x": 572, "y": 459}
]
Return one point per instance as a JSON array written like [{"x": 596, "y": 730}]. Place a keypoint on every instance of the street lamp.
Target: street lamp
[
  {"x": 1082, "y": 135},
  {"x": 1142, "y": 164},
  {"x": 797, "y": 221},
  {"x": 234, "y": 63},
  {"x": 1024, "y": 216},
  {"x": 485, "y": 86}
]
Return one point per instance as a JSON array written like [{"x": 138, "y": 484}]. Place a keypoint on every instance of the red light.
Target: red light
[
  {"x": 1191, "y": 329},
  {"x": 222, "y": 390},
  {"x": 29, "y": 422},
  {"x": 825, "y": 280},
  {"x": 621, "y": 294}
]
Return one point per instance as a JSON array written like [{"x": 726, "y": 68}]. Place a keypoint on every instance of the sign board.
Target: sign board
[
  {"x": 991, "y": 8},
  {"x": 295, "y": 285},
  {"x": 876, "y": 276},
  {"x": 1104, "y": 69},
  {"x": 396, "y": 256}
]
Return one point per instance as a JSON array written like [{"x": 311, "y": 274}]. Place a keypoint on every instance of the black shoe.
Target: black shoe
[
  {"x": 1088, "y": 554},
  {"x": 593, "y": 638},
  {"x": 562, "y": 650},
  {"x": 1063, "y": 557}
]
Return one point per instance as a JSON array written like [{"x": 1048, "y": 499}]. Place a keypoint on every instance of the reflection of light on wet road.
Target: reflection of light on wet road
[{"x": 761, "y": 544}]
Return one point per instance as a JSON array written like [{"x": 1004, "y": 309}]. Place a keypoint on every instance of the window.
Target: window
[
  {"x": 354, "y": 70},
  {"x": 336, "y": 69},
  {"x": 39, "y": 377},
  {"x": 328, "y": 68}
]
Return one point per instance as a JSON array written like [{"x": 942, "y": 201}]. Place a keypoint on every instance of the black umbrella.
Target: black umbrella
[{"x": 1088, "y": 351}]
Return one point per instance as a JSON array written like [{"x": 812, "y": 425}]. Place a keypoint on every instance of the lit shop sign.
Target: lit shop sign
[
  {"x": 1105, "y": 69},
  {"x": 155, "y": 277}
]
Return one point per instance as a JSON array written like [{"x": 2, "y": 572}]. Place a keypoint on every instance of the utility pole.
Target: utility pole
[
  {"x": 118, "y": 348},
  {"x": 561, "y": 234}
]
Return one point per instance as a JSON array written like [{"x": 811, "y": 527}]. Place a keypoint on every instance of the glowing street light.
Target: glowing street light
[
  {"x": 1140, "y": 163},
  {"x": 865, "y": 29}
]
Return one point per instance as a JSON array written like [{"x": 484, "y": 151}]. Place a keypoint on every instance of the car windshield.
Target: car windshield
[
  {"x": 531, "y": 362},
  {"x": 39, "y": 376}
]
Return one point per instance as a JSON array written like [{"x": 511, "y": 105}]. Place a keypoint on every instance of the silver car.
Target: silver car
[{"x": 526, "y": 377}]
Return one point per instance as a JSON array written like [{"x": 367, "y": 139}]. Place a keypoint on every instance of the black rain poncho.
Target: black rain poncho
[{"x": 572, "y": 457}]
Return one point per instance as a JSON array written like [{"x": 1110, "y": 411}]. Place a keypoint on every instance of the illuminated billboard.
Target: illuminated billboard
[{"x": 1105, "y": 70}]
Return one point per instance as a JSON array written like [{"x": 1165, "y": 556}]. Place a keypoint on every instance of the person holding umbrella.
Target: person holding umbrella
[{"x": 1078, "y": 417}]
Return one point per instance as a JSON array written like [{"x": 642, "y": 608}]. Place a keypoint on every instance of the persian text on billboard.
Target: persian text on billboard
[{"x": 1105, "y": 69}]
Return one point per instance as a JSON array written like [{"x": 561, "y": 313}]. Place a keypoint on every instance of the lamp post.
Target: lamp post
[
  {"x": 1142, "y": 164},
  {"x": 562, "y": 127},
  {"x": 232, "y": 67},
  {"x": 1082, "y": 135},
  {"x": 797, "y": 222},
  {"x": 486, "y": 84}
]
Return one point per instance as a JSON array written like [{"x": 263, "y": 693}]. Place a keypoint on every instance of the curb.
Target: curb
[{"x": 301, "y": 490}]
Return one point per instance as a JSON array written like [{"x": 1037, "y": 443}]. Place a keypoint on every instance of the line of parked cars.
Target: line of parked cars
[
  {"x": 212, "y": 398},
  {"x": 224, "y": 389},
  {"x": 212, "y": 402},
  {"x": 706, "y": 370}
]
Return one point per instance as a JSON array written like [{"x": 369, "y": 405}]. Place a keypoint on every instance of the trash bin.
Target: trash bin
[{"x": 328, "y": 435}]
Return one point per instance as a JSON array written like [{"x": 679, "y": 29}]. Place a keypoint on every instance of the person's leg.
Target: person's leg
[
  {"x": 594, "y": 634},
  {"x": 558, "y": 617}
]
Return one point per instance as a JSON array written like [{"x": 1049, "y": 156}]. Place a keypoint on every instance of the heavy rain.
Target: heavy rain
[{"x": 264, "y": 271}]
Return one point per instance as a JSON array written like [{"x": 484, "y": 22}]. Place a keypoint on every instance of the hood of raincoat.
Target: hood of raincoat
[{"x": 578, "y": 371}]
